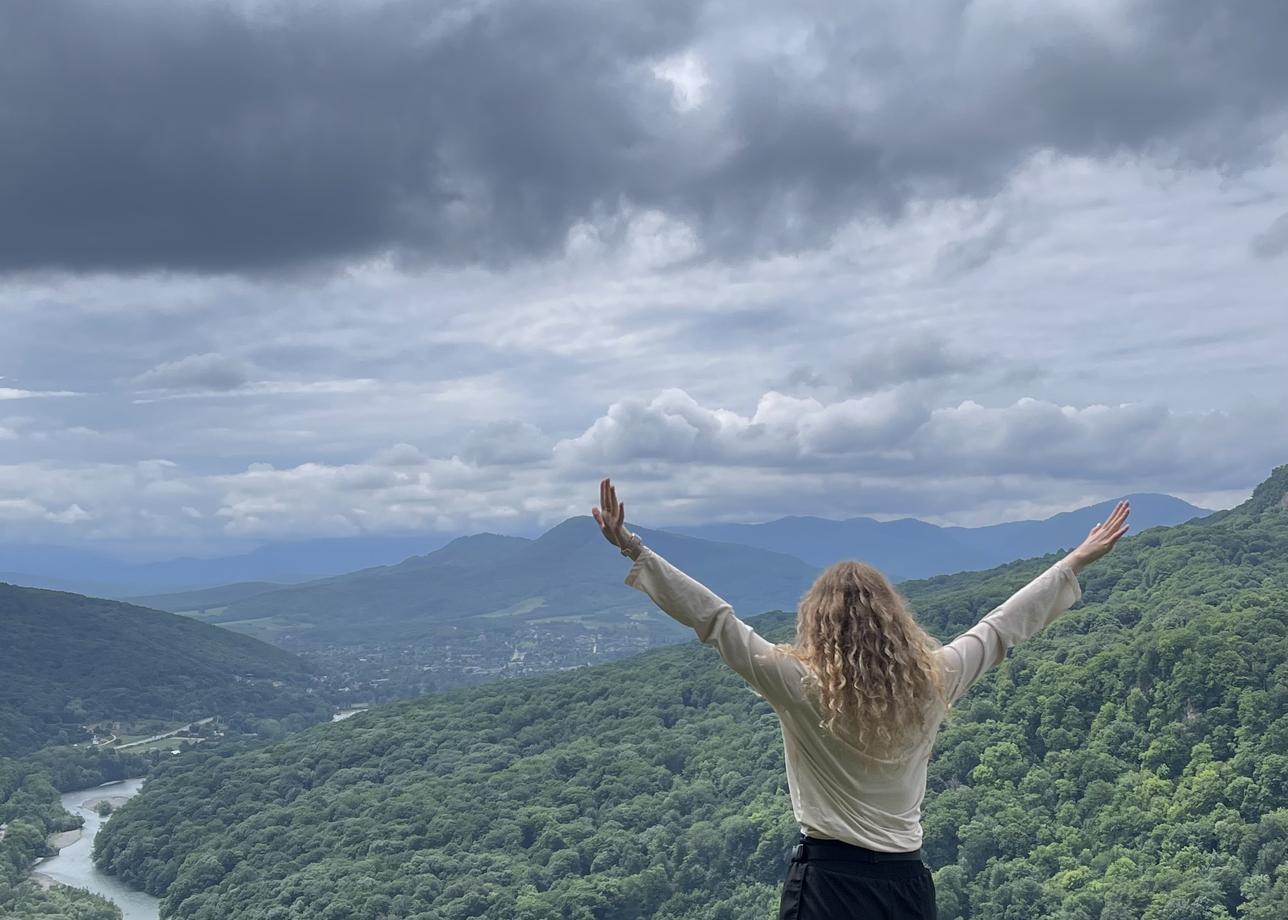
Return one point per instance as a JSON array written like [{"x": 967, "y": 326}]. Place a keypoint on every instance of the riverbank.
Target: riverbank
[
  {"x": 74, "y": 866},
  {"x": 65, "y": 839}
]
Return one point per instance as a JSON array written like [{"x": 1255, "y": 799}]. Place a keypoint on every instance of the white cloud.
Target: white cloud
[
  {"x": 72, "y": 514},
  {"x": 688, "y": 77},
  {"x": 15, "y": 393},
  {"x": 22, "y": 509},
  {"x": 887, "y": 454},
  {"x": 893, "y": 432},
  {"x": 323, "y": 499}
]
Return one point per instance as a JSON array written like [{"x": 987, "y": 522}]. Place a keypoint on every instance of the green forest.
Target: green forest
[
  {"x": 71, "y": 661},
  {"x": 1129, "y": 763}
]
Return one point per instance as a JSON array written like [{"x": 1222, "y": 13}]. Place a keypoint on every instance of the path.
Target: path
[{"x": 184, "y": 728}]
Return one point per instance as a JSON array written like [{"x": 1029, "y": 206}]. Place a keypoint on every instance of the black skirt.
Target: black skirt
[{"x": 831, "y": 880}]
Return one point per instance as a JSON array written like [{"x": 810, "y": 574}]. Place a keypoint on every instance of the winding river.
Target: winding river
[{"x": 73, "y": 866}]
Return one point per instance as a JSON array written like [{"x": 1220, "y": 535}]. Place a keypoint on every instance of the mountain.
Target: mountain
[
  {"x": 909, "y": 548},
  {"x": 1127, "y": 762},
  {"x": 69, "y": 660},
  {"x": 488, "y": 581}
]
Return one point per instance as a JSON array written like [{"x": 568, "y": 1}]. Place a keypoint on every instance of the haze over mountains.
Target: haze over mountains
[
  {"x": 569, "y": 573},
  {"x": 905, "y": 548},
  {"x": 909, "y": 548}
]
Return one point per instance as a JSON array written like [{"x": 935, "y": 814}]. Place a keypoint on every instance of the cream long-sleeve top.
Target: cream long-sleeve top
[{"x": 838, "y": 792}]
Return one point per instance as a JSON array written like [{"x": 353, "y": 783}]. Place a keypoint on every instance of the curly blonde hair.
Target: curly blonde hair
[{"x": 871, "y": 664}]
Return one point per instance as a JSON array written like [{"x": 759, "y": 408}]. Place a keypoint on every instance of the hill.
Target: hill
[
  {"x": 1129, "y": 762},
  {"x": 490, "y": 583},
  {"x": 909, "y": 548},
  {"x": 69, "y": 661}
]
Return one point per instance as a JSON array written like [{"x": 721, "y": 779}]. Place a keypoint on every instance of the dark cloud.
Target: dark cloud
[
  {"x": 197, "y": 372},
  {"x": 504, "y": 443},
  {"x": 1273, "y": 241},
  {"x": 908, "y": 359},
  {"x": 972, "y": 252},
  {"x": 219, "y": 137},
  {"x": 803, "y": 376},
  {"x": 892, "y": 360},
  {"x": 197, "y": 136}
]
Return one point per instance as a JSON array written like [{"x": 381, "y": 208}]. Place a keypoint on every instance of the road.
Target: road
[{"x": 184, "y": 728}]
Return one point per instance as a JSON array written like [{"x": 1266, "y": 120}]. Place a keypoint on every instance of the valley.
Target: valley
[
  {"x": 1126, "y": 762},
  {"x": 570, "y": 742}
]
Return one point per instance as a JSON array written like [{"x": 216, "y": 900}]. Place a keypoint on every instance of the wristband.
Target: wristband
[{"x": 631, "y": 545}]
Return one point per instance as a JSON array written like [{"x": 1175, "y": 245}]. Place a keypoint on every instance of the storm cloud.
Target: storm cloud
[
  {"x": 258, "y": 136},
  {"x": 283, "y": 268},
  {"x": 197, "y": 372}
]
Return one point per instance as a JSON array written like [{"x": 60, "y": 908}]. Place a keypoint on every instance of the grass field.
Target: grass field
[
  {"x": 205, "y": 613},
  {"x": 514, "y": 610},
  {"x": 265, "y": 628},
  {"x": 163, "y": 744}
]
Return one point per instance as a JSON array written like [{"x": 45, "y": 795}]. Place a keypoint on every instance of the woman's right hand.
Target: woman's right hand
[{"x": 1101, "y": 539}]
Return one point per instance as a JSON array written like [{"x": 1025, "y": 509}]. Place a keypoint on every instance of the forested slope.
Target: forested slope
[
  {"x": 69, "y": 660},
  {"x": 1130, "y": 762}
]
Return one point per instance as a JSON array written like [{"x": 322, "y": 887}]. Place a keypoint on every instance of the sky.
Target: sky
[{"x": 283, "y": 269}]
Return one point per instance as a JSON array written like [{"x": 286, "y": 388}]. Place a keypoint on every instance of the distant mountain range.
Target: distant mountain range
[
  {"x": 495, "y": 581},
  {"x": 908, "y": 548}
]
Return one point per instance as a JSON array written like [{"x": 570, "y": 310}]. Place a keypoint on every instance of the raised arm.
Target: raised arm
[
  {"x": 969, "y": 656},
  {"x": 772, "y": 673}
]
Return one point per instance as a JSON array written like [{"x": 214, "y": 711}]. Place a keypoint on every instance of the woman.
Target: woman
[{"x": 860, "y": 695}]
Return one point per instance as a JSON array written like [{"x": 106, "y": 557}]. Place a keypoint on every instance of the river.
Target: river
[{"x": 72, "y": 866}]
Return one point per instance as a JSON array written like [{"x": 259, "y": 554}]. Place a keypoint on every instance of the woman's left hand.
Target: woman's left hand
[{"x": 611, "y": 518}]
